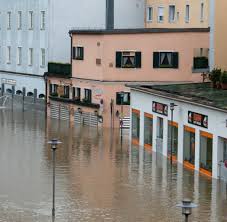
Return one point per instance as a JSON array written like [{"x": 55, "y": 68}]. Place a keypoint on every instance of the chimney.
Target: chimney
[{"x": 109, "y": 14}]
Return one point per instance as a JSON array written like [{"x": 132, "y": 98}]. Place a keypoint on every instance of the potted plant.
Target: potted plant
[
  {"x": 215, "y": 76},
  {"x": 224, "y": 80}
]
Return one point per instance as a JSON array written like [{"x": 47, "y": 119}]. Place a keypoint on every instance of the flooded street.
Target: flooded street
[{"x": 97, "y": 177}]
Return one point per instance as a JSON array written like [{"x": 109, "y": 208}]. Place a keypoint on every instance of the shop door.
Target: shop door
[{"x": 159, "y": 140}]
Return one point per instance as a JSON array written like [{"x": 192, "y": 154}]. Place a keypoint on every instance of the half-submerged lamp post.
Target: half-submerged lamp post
[
  {"x": 186, "y": 206},
  {"x": 172, "y": 106},
  {"x": 54, "y": 143}
]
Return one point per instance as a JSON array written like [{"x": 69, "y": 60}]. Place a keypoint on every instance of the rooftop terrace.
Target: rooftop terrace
[{"x": 200, "y": 93}]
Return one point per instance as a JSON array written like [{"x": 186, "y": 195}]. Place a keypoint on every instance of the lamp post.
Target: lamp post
[
  {"x": 121, "y": 116},
  {"x": 172, "y": 106},
  {"x": 54, "y": 143},
  {"x": 186, "y": 206}
]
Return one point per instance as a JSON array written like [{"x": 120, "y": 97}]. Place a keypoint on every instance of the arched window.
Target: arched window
[
  {"x": 19, "y": 92},
  {"x": 9, "y": 90},
  {"x": 30, "y": 94},
  {"x": 41, "y": 96}
]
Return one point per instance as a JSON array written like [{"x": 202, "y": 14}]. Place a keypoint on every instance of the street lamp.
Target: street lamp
[
  {"x": 186, "y": 206},
  {"x": 121, "y": 116},
  {"x": 172, "y": 106},
  {"x": 54, "y": 143}
]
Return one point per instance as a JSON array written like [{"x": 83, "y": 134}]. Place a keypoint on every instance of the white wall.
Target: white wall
[
  {"x": 24, "y": 38},
  {"x": 129, "y": 13},
  {"x": 216, "y": 122}
]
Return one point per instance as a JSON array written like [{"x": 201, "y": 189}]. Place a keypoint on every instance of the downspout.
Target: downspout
[{"x": 212, "y": 35}]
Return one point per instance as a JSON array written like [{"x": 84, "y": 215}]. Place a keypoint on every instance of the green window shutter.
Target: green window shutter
[
  {"x": 82, "y": 53},
  {"x": 74, "y": 52},
  {"x": 155, "y": 59},
  {"x": 175, "y": 60},
  {"x": 138, "y": 59},
  {"x": 118, "y": 98},
  {"x": 118, "y": 59}
]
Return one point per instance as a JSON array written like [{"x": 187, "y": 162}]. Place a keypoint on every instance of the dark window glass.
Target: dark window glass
[
  {"x": 78, "y": 53},
  {"x": 123, "y": 98},
  {"x": 135, "y": 126},
  {"x": 148, "y": 130},
  {"x": 128, "y": 59},
  {"x": 165, "y": 59},
  {"x": 87, "y": 95}
]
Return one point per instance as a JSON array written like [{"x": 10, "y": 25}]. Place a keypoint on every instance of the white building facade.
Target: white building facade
[
  {"x": 199, "y": 134},
  {"x": 35, "y": 32}
]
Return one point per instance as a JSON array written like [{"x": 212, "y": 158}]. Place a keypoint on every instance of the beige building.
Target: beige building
[
  {"x": 218, "y": 34},
  {"x": 177, "y": 13}
]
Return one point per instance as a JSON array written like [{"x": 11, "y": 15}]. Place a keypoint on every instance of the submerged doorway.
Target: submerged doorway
[{"x": 159, "y": 139}]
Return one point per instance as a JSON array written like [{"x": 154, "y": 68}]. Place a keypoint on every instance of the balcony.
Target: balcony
[
  {"x": 59, "y": 70},
  {"x": 200, "y": 60},
  {"x": 74, "y": 101}
]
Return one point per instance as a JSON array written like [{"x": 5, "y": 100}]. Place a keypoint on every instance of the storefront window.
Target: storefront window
[
  {"x": 160, "y": 128},
  {"x": 206, "y": 146},
  {"x": 135, "y": 125},
  {"x": 148, "y": 130},
  {"x": 189, "y": 146},
  {"x": 224, "y": 150},
  {"x": 175, "y": 139}
]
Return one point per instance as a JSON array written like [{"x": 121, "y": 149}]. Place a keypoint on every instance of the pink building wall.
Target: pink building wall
[{"x": 147, "y": 43}]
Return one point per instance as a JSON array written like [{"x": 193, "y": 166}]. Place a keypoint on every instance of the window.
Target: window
[
  {"x": 66, "y": 92},
  {"x": 87, "y": 95},
  {"x": 53, "y": 90},
  {"x": 128, "y": 59},
  {"x": 43, "y": 57},
  {"x": 76, "y": 93},
  {"x": 160, "y": 14},
  {"x": 30, "y": 56},
  {"x": 172, "y": 13},
  {"x": 165, "y": 59},
  {"x": 202, "y": 12},
  {"x": 30, "y": 20},
  {"x": 123, "y": 98},
  {"x": 19, "y": 56},
  {"x": 8, "y": 55},
  {"x": 19, "y": 20},
  {"x": 187, "y": 13},
  {"x": 135, "y": 125},
  {"x": 78, "y": 53},
  {"x": 149, "y": 14},
  {"x": 42, "y": 22},
  {"x": 9, "y": 20}
]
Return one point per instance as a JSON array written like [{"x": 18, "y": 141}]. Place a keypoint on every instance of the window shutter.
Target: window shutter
[
  {"x": 138, "y": 59},
  {"x": 82, "y": 53},
  {"x": 118, "y": 99},
  {"x": 74, "y": 53},
  {"x": 175, "y": 60},
  {"x": 118, "y": 59},
  {"x": 156, "y": 60}
]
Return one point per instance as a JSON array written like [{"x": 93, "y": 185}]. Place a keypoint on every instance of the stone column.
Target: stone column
[
  {"x": 197, "y": 149},
  {"x": 141, "y": 128},
  {"x": 154, "y": 142},
  {"x": 180, "y": 148}
]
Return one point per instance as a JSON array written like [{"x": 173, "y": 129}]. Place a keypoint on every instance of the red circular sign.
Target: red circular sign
[{"x": 225, "y": 163}]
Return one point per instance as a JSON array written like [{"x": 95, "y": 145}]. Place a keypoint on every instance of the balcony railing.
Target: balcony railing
[
  {"x": 75, "y": 101},
  {"x": 59, "y": 69}
]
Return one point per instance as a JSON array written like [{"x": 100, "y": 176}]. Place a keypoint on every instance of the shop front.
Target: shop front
[
  {"x": 172, "y": 139},
  {"x": 135, "y": 126},
  {"x": 148, "y": 130},
  {"x": 206, "y": 150},
  {"x": 189, "y": 147}
]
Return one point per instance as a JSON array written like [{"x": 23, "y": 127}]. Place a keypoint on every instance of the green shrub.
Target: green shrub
[
  {"x": 224, "y": 77},
  {"x": 215, "y": 75}
]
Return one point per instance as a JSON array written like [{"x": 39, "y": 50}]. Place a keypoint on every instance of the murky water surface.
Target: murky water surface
[{"x": 97, "y": 177}]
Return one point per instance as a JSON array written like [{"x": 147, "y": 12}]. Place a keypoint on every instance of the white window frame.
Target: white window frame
[
  {"x": 30, "y": 20},
  {"x": 174, "y": 19},
  {"x": 163, "y": 8},
  {"x": 150, "y": 16},
  {"x": 202, "y": 11},
  {"x": 19, "y": 20},
  {"x": 43, "y": 58},
  {"x": 187, "y": 13},
  {"x": 9, "y": 15},
  {"x": 8, "y": 54},
  {"x": 42, "y": 20},
  {"x": 19, "y": 55},
  {"x": 30, "y": 56}
]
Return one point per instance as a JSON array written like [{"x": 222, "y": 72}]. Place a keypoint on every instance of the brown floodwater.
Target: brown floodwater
[{"x": 98, "y": 177}]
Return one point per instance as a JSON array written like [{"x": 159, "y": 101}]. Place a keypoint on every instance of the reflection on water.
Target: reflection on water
[{"x": 97, "y": 178}]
